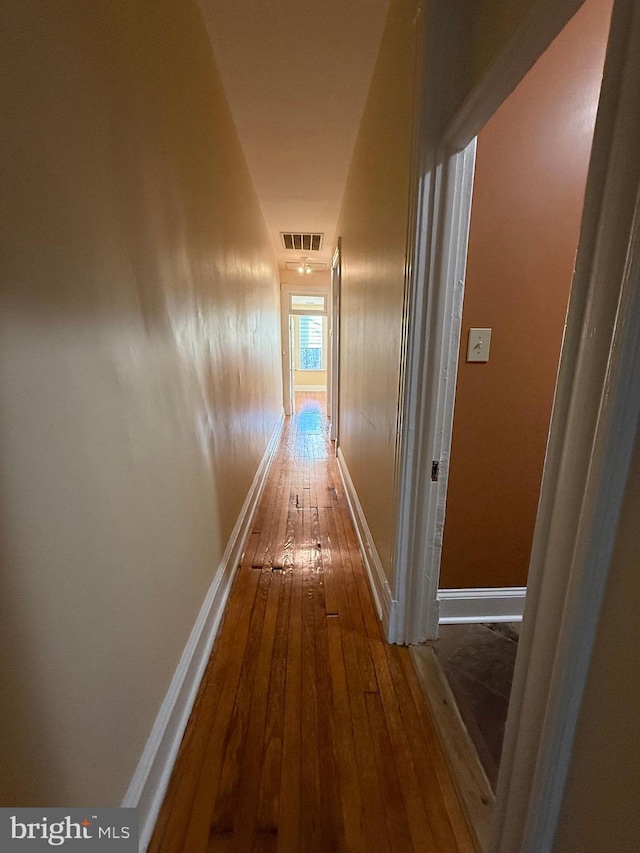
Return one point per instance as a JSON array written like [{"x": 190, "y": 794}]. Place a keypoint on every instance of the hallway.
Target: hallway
[{"x": 309, "y": 732}]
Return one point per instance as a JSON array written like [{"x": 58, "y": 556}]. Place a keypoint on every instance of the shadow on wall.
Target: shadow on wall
[{"x": 140, "y": 376}]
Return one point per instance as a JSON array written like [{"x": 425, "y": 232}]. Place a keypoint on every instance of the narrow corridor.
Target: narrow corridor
[{"x": 309, "y": 733}]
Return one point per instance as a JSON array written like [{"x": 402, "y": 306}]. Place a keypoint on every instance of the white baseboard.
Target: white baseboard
[
  {"x": 151, "y": 778},
  {"x": 483, "y": 604},
  {"x": 317, "y": 389},
  {"x": 386, "y": 607}
]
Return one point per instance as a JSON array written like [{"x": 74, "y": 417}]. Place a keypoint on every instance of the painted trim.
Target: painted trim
[
  {"x": 386, "y": 607},
  {"x": 482, "y": 604},
  {"x": 435, "y": 321},
  {"x": 151, "y": 778},
  {"x": 286, "y": 291},
  {"x": 595, "y": 420},
  {"x": 334, "y": 332}
]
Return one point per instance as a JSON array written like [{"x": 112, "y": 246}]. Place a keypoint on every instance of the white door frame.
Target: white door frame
[
  {"x": 334, "y": 382},
  {"x": 595, "y": 418},
  {"x": 434, "y": 320},
  {"x": 286, "y": 291},
  {"x": 432, "y": 363}
]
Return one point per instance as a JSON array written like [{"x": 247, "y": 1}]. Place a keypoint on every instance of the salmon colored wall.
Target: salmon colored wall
[{"x": 531, "y": 172}]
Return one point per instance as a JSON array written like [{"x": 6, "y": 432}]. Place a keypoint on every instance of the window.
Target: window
[
  {"x": 306, "y": 303},
  {"x": 310, "y": 353}
]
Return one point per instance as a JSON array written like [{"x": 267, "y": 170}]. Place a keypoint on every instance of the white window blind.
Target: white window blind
[{"x": 310, "y": 343}]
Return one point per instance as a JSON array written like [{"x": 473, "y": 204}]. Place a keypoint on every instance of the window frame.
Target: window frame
[{"x": 322, "y": 347}]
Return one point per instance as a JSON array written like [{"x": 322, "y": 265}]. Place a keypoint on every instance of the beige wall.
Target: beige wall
[
  {"x": 315, "y": 379},
  {"x": 531, "y": 169},
  {"x": 600, "y": 809},
  {"x": 140, "y": 376},
  {"x": 373, "y": 226},
  {"x": 318, "y": 278}
]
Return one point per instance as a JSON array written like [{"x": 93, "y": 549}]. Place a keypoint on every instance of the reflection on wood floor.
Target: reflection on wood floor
[{"x": 309, "y": 733}]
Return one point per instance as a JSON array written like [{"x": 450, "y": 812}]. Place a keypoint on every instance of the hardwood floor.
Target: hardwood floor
[{"x": 310, "y": 733}]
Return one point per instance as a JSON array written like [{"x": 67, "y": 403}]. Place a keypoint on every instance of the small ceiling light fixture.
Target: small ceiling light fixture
[{"x": 304, "y": 268}]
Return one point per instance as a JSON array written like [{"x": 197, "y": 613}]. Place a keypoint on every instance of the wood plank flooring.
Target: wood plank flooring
[
  {"x": 310, "y": 733},
  {"x": 474, "y": 790}
]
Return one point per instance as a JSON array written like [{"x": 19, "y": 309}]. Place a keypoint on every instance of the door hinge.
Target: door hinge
[{"x": 435, "y": 470}]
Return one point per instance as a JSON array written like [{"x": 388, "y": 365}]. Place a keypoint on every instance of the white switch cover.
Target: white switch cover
[{"x": 479, "y": 343}]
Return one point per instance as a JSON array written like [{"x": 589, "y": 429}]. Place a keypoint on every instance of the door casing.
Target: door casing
[
  {"x": 595, "y": 418},
  {"x": 334, "y": 332},
  {"x": 286, "y": 291}
]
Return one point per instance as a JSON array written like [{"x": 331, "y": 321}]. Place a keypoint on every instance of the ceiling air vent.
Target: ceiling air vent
[{"x": 301, "y": 242}]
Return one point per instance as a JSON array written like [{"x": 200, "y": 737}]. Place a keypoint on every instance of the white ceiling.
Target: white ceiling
[{"x": 296, "y": 74}]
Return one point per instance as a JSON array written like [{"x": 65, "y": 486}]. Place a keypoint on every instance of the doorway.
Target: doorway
[
  {"x": 593, "y": 413},
  {"x": 306, "y": 352},
  {"x": 521, "y": 231},
  {"x": 512, "y": 204},
  {"x": 336, "y": 282},
  {"x": 531, "y": 164}
]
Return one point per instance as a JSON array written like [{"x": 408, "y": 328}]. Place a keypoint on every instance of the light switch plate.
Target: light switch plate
[{"x": 479, "y": 343}]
